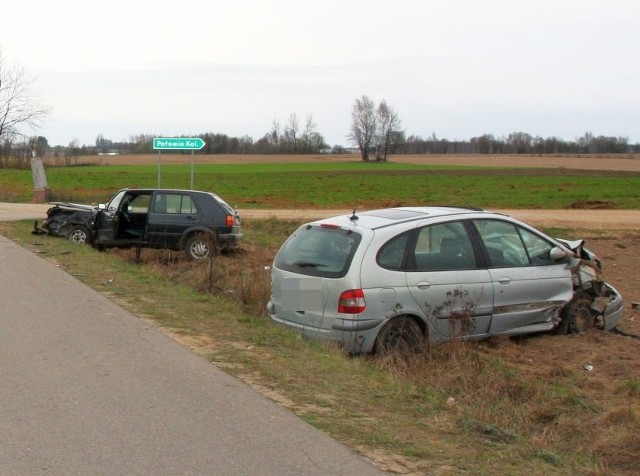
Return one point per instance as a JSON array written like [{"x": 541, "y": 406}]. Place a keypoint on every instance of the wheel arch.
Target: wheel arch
[
  {"x": 188, "y": 233},
  {"x": 421, "y": 323}
]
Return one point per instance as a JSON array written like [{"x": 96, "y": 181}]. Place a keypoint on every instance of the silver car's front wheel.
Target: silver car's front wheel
[
  {"x": 578, "y": 316},
  {"x": 79, "y": 235}
]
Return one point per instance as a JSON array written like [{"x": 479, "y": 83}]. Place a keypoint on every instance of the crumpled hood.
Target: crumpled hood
[
  {"x": 73, "y": 206},
  {"x": 581, "y": 252}
]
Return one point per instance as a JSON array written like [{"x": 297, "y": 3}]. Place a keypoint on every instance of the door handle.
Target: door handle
[
  {"x": 504, "y": 280},
  {"x": 424, "y": 285}
]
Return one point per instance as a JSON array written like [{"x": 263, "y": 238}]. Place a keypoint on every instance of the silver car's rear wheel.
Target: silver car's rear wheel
[
  {"x": 400, "y": 335},
  {"x": 79, "y": 234}
]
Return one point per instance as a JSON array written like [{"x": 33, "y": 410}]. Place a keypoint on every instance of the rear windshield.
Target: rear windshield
[{"x": 317, "y": 251}]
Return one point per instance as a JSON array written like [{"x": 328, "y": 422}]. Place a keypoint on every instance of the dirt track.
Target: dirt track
[
  {"x": 590, "y": 219},
  {"x": 621, "y": 163}
]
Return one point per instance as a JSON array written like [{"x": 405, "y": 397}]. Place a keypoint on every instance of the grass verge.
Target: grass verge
[{"x": 484, "y": 408}]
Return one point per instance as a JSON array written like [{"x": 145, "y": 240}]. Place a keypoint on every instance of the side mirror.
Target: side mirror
[
  {"x": 557, "y": 253},
  {"x": 102, "y": 206}
]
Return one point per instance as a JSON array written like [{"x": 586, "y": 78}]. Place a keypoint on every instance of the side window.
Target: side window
[
  {"x": 509, "y": 245},
  {"x": 187, "y": 206},
  {"x": 391, "y": 255},
  {"x": 444, "y": 247},
  {"x": 174, "y": 203},
  {"x": 140, "y": 204},
  {"x": 538, "y": 249}
]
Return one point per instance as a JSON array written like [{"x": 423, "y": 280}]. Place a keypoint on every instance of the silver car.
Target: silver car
[{"x": 390, "y": 279}]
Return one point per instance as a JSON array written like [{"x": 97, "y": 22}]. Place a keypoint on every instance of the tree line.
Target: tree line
[
  {"x": 288, "y": 137},
  {"x": 520, "y": 143},
  {"x": 278, "y": 142}
]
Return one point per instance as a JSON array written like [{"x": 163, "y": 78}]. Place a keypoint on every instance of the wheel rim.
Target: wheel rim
[
  {"x": 199, "y": 249},
  {"x": 582, "y": 318},
  {"x": 78, "y": 237}
]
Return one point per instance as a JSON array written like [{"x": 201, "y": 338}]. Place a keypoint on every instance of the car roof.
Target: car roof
[
  {"x": 384, "y": 217},
  {"x": 162, "y": 190}
]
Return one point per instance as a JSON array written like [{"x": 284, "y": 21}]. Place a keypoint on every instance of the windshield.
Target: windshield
[
  {"x": 115, "y": 201},
  {"x": 317, "y": 251}
]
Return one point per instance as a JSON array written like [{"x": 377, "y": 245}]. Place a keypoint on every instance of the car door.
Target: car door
[
  {"x": 170, "y": 214},
  {"x": 108, "y": 219},
  {"x": 529, "y": 286},
  {"x": 446, "y": 281}
]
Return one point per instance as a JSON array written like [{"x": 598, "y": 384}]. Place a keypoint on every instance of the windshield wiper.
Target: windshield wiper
[{"x": 308, "y": 264}]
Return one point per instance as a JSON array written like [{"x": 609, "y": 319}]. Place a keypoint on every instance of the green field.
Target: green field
[{"x": 289, "y": 185}]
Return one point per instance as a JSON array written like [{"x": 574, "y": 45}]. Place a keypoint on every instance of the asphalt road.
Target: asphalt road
[{"x": 88, "y": 389}]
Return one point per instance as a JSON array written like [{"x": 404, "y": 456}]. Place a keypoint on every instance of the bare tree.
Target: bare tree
[
  {"x": 363, "y": 125},
  {"x": 291, "y": 132},
  {"x": 388, "y": 131},
  {"x": 274, "y": 134},
  {"x": 18, "y": 106},
  {"x": 73, "y": 152},
  {"x": 312, "y": 140}
]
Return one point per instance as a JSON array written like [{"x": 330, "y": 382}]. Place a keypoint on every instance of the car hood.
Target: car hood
[
  {"x": 581, "y": 251},
  {"x": 73, "y": 206}
]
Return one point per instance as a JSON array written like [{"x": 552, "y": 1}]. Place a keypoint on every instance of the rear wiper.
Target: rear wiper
[{"x": 308, "y": 264}]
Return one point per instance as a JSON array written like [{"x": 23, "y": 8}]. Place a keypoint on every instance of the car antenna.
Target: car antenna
[{"x": 354, "y": 217}]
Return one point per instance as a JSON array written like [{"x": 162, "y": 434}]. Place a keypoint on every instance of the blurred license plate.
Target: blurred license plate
[{"x": 302, "y": 294}]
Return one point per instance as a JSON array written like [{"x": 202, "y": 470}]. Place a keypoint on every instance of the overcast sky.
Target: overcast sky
[{"x": 456, "y": 68}]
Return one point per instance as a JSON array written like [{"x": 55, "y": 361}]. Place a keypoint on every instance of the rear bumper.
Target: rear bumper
[
  {"x": 354, "y": 336},
  {"x": 230, "y": 240}
]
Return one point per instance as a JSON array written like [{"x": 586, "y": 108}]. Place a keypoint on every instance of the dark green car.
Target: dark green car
[{"x": 198, "y": 222}]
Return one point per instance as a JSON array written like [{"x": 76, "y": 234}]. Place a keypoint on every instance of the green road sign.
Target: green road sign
[{"x": 177, "y": 143}]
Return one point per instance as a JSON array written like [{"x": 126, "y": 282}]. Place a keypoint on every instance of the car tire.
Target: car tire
[
  {"x": 401, "y": 334},
  {"x": 200, "y": 246},
  {"x": 79, "y": 234},
  {"x": 578, "y": 316}
]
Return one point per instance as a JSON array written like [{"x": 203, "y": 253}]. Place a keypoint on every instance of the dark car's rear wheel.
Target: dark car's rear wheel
[
  {"x": 79, "y": 234},
  {"x": 400, "y": 335},
  {"x": 199, "y": 246}
]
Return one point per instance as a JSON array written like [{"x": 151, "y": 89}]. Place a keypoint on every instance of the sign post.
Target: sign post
[{"x": 177, "y": 143}]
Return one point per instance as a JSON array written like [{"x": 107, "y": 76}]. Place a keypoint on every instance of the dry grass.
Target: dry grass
[{"x": 242, "y": 276}]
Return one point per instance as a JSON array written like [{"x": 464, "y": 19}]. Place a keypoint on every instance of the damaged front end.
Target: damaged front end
[
  {"x": 62, "y": 217},
  {"x": 596, "y": 303}
]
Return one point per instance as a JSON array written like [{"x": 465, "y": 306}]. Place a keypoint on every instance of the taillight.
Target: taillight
[
  {"x": 352, "y": 302},
  {"x": 230, "y": 220}
]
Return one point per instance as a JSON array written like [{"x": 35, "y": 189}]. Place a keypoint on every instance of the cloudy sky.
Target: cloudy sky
[{"x": 456, "y": 68}]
